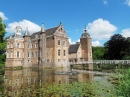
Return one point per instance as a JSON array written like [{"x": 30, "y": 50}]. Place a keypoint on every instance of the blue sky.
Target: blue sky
[{"x": 103, "y": 18}]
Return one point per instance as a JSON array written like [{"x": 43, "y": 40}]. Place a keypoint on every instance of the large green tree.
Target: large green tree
[
  {"x": 98, "y": 52},
  {"x": 117, "y": 47},
  {"x": 2, "y": 41}
]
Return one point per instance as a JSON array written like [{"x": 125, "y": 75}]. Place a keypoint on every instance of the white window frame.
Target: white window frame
[
  {"x": 17, "y": 54},
  {"x": 59, "y": 42},
  {"x": 64, "y": 43}
]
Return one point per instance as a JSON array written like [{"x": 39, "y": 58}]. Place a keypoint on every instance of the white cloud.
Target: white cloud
[
  {"x": 32, "y": 27},
  {"x": 126, "y": 32},
  {"x": 2, "y": 15},
  {"x": 78, "y": 40},
  {"x": 70, "y": 41},
  {"x": 105, "y": 2},
  {"x": 127, "y": 2},
  {"x": 101, "y": 29},
  {"x": 96, "y": 43}
]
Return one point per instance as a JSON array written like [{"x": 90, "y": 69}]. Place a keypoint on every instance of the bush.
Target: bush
[{"x": 123, "y": 87}]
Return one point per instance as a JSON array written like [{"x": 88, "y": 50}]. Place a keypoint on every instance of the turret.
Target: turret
[
  {"x": 86, "y": 46},
  {"x": 26, "y": 46},
  {"x": 43, "y": 51}
]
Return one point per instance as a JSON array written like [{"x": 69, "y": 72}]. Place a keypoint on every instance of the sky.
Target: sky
[{"x": 102, "y": 18}]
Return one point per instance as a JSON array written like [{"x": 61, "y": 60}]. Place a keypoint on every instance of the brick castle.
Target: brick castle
[{"x": 46, "y": 48}]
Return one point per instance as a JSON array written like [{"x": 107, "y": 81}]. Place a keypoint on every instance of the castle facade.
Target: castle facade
[{"x": 46, "y": 48}]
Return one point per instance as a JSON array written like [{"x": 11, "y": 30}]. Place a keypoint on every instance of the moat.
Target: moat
[{"x": 62, "y": 82}]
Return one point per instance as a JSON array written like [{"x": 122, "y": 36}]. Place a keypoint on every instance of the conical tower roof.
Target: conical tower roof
[{"x": 27, "y": 32}]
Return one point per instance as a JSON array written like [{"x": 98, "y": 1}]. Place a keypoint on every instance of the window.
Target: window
[
  {"x": 58, "y": 60},
  {"x": 18, "y": 54},
  {"x": 58, "y": 42},
  {"x": 58, "y": 52},
  {"x": 12, "y": 44},
  {"x": 64, "y": 60},
  {"x": 11, "y": 54},
  {"x": 32, "y": 54},
  {"x": 64, "y": 53},
  {"x": 64, "y": 43},
  {"x": 48, "y": 60},
  {"x": 28, "y": 55},
  {"x": 17, "y": 45},
  {"x": 36, "y": 36},
  {"x": 32, "y": 45},
  {"x": 36, "y": 45},
  {"x": 36, "y": 54},
  {"x": 16, "y": 82},
  {"x": 40, "y": 44},
  {"x": 58, "y": 33}
]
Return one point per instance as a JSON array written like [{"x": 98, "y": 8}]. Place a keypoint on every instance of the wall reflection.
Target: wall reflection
[{"x": 25, "y": 81}]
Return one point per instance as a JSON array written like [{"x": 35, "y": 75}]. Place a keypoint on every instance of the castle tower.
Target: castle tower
[
  {"x": 86, "y": 46},
  {"x": 43, "y": 50},
  {"x": 26, "y": 47},
  {"x": 14, "y": 52}
]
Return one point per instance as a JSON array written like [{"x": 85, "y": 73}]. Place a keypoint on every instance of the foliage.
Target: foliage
[
  {"x": 2, "y": 41},
  {"x": 76, "y": 89},
  {"x": 98, "y": 52},
  {"x": 123, "y": 87},
  {"x": 2, "y": 30},
  {"x": 117, "y": 47}
]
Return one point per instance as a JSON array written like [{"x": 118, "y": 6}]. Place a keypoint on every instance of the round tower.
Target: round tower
[
  {"x": 86, "y": 46},
  {"x": 26, "y": 46},
  {"x": 43, "y": 41}
]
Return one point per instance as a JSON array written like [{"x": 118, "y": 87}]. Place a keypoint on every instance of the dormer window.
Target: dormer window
[
  {"x": 36, "y": 45},
  {"x": 36, "y": 36},
  {"x": 19, "y": 30}
]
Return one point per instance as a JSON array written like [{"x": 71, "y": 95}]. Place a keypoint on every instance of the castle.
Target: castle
[{"x": 46, "y": 48}]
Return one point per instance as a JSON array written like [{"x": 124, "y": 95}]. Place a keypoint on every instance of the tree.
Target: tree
[
  {"x": 98, "y": 52},
  {"x": 2, "y": 41},
  {"x": 117, "y": 47}
]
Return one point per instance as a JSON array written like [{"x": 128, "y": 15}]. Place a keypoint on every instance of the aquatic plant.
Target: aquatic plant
[{"x": 76, "y": 89}]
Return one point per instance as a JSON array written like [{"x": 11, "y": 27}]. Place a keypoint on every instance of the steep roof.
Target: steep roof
[
  {"x": 48, "y": 32},
  {"x": 36, "y": 33},
  {"x": 74, "y": 48}
]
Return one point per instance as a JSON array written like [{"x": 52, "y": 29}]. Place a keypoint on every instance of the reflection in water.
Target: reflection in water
[{"x": 19, "y": 82}]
